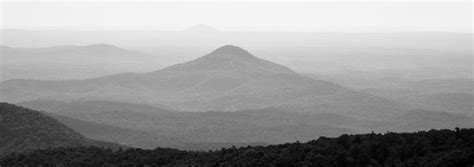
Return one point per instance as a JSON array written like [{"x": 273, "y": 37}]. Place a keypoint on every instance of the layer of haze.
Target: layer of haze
[
  {"x": 421, "y": 39},
  {"x": 366, "y": 16}
]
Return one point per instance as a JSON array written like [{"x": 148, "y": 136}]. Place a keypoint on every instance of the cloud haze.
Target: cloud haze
[{"x": 355, "y": 16}]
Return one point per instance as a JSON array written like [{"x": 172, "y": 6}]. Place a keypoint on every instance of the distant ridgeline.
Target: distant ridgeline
[{"x": 432, "y": 148}]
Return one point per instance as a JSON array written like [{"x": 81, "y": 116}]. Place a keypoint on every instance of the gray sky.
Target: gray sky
[{"x": 262, "y": 15}]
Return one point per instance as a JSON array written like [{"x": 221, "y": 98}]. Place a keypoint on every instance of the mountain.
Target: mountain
[
  {"x": 89, "y": 51},
  {"x": 227, "y": 79},
  {"x": 70, "y": 61},
  {"x": 230, "y": 58},
  {"x": 23, "y": 130},
  {"x": 424, "y": 148}
]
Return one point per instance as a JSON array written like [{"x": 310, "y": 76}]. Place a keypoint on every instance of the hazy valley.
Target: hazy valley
[
  {"x": 101, "y": 96},
  {"x": 231, "y": 97}
]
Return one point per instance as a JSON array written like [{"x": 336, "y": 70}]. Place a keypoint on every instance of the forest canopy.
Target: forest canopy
[{"x": 425, "y": 148}]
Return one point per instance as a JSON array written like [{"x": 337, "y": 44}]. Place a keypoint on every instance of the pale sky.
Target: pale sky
[{"x": 262, "y": 15}]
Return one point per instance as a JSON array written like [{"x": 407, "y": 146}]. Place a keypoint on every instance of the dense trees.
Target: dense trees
[
  {"x": 23, "y": 130},
  {"x": 431, "y": 148}
]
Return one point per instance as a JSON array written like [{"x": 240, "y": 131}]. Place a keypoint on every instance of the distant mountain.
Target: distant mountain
[
  {"x": 227, "y": 79},
  {"x": 22, "y": 129},
  {"x": 302, "y": 51},
  {"x": 71, "y": 62},
  {"x": 230, "y": 58},
  {"x": 87, "y": 50}
]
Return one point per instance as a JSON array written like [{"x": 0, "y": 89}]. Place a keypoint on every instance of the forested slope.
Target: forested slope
[{"x": 431, "y": 148}]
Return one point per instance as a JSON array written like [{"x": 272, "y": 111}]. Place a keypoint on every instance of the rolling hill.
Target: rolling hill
[
  {"x": 123, "y": 136},
  {"x": 140, "y": 139},
  {"x": 197, "y": 128},
  {"x": 207, "y": 130}
]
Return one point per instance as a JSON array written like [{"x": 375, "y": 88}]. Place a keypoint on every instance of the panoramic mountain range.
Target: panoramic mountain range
[
  {"x": 221, "y": 84},
  {"x": 392, "y": 54},
  {"x": 227, "y": 79},
  {"x": 231, "y": 97}
]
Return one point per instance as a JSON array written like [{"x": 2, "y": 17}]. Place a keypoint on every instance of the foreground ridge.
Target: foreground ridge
[
  {"x": 24, "y": 130},
  {"x": 430, "y": 148}
]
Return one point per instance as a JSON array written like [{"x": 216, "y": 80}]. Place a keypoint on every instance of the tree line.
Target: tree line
[{"x": 425, "y": 148}]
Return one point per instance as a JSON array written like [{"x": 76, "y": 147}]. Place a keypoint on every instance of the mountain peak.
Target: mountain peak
[
  {"x": 231, "y": 50},
  {"x": 231, "y": 58},
  {"x": 101, "y": 46}
]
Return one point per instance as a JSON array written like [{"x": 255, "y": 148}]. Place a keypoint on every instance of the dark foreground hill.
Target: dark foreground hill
[
  {"x": 432, "y": 148},
  {"x": 22, "y": 130}
]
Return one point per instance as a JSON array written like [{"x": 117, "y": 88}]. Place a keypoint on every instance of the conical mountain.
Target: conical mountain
[
  {"x": 232, "y": 58},
  {"x": 233, "y": 73}
]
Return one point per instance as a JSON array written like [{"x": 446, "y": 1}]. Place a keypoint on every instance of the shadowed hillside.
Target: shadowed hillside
[{"x": 23, "y": 130}]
